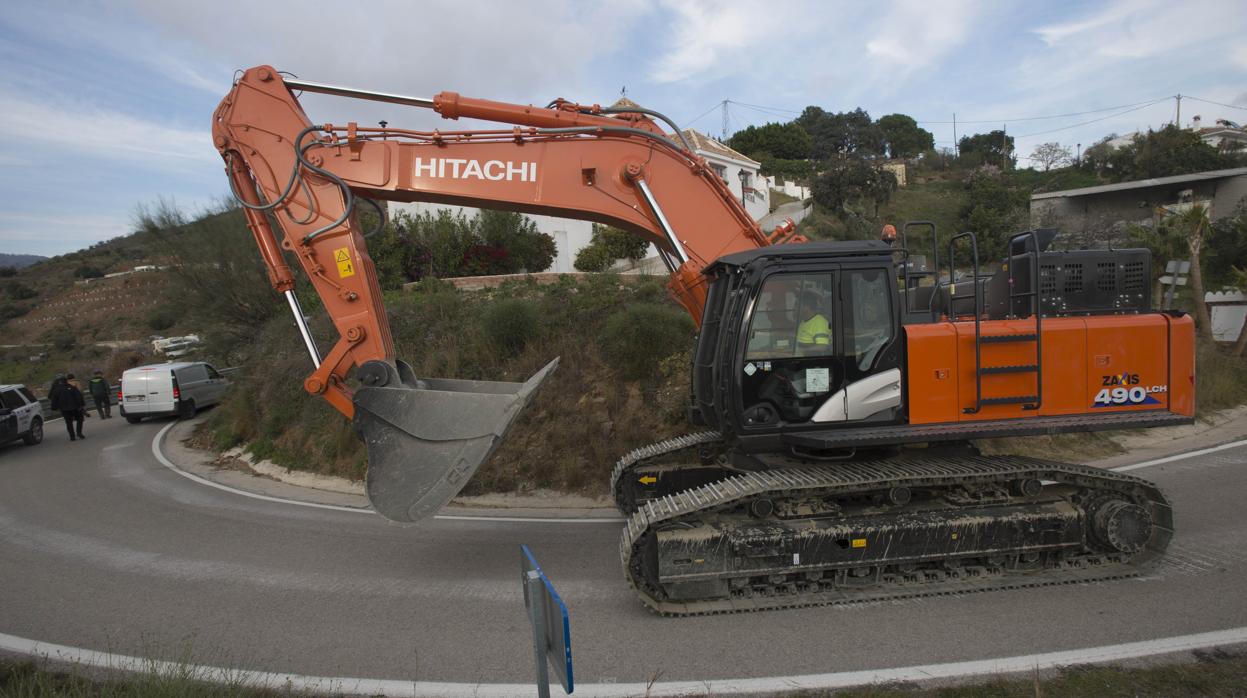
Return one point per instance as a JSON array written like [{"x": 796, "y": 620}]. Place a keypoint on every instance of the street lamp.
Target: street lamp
[
  {"x": 744, "y": 177},
  {"x": 1078, "y": 160}
]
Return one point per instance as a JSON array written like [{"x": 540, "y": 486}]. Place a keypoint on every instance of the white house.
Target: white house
[
  {"x": 737, "y": 171},
  {"x": 570, "y": 235}
]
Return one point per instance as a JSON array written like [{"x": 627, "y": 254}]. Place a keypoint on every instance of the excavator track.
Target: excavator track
[
  {"x": 953, "y": 525},
  {"x": 656, "y": 461}
]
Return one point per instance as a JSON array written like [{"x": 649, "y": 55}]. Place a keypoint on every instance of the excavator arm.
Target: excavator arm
[{"x": 426, "y": 437}]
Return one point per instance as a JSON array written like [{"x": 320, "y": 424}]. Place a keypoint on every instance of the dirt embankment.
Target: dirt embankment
[{"x": 622, "y": 380}]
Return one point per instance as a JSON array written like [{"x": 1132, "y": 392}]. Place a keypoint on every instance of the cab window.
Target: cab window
[
  {"x": 867, "y": 314},
  {"x": 792, "y": 318}
]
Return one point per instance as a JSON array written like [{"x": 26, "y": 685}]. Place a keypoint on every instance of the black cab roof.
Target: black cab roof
[{"x": 828, "y": 248}]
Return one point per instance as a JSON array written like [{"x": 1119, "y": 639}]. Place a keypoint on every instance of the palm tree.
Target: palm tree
[{"x": 1193, "y": 224}]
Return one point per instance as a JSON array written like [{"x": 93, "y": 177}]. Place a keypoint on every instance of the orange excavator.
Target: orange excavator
[{"x": 819, "y": 369}]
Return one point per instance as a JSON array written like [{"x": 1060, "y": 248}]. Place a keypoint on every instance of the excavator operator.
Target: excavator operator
[{"x": 813, "y": 330}]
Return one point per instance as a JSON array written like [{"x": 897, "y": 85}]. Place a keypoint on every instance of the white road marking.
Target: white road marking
[
  {"x": 156, "y": 451},
  {"x": 844, "y": 679},
  {"x": 1180, "y": 456},
  {"x": 160, "y": 456}
]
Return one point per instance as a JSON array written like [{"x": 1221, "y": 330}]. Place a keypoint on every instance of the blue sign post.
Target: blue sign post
[{"x": 552, "y": 633}]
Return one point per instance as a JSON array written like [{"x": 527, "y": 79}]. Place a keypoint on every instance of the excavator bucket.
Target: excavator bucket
[{"x": 426, "y": 438}]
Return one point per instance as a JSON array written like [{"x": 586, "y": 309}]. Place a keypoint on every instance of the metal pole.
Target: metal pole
[
  {"x": 303, "y": 328},
  {"x": 676, "y": 247},
  {"x": 537, "y": 611},
  {"x": 340, "y": 91}
]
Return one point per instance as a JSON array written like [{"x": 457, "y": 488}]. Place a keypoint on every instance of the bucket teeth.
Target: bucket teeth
[{"x": 425, "y": 442}]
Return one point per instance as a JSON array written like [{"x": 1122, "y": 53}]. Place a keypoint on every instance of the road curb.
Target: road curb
[
  {"x": 158, "y": 453},
  {"x": 80, "y": 657}
]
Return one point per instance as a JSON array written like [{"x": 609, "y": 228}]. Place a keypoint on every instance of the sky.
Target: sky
[{"x": 107, "y": 104}]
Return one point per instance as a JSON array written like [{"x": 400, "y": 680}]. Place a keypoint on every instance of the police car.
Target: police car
[{"x": 21, "y": 415}]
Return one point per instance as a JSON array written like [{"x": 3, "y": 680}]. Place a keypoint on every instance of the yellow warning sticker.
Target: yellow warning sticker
[
  {"x": 859, "y": 542},
  {"x": 345, "y": 266},
  {"x": 648, "y": 480}
]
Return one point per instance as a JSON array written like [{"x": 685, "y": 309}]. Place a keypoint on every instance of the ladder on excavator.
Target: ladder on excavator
[{"x": 1029, "y": 292}]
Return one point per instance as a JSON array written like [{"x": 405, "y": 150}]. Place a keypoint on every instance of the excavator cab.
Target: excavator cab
[{"x": 800, "y": 337}]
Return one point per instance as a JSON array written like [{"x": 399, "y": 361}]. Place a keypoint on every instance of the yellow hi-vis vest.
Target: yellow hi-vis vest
[{"x": 814, "y": 331}]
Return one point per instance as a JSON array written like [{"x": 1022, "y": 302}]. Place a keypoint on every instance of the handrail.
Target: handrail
[
  {"x": 1036, "y": 306},
  {"x": 978, "y": 312},
  {"x": 935, "y": 262}
]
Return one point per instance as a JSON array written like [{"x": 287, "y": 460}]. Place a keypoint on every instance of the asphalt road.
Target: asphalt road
[{"x": 102, "y": 547}]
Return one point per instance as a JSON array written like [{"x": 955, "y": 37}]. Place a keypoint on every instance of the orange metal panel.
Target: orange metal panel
[
  {"x": 931, "y": 378},
  {"x": 1002, "y": 385},
  {"x": 1181, "y": 365},
  {"x": 1115, "y": 363},
  {"x": 1127, "y": 363},
  {"x": 1064, "y": 366}
]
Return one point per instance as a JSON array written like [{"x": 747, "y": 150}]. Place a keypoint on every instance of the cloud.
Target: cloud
[
  {"x": 919, "y": 33},
  {"x": 710, "y": 37},
  {"x": 87, "y": 129},
  {"x": 495, "y": 49}
]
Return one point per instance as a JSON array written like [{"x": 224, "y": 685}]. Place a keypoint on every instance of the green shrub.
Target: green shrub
[
  {"x": 162, "y": 319},
  {"x": 511, "y": 324},
  {"x": 635, "y": 340}
]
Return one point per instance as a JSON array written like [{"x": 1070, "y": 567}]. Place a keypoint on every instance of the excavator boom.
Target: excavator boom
[{"x": 426, "y": 437}]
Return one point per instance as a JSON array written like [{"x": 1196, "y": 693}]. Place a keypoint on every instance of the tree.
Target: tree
[
  {"x": 1194, "y": 225},
  {"x": 993, "y": 148},
  {"x": 1173, "y": 151},
  {"x": 992, "y": 210},
  {"x": 848, "y": 133},
  {"x": 848, "y": 179},
  {"x": 216, "y": 279},
  {"x": 783, "y": 141},
  {"x": 87, "y": 271},
  {"x": 1049, "y": 155},
  {"x": 607, "y": 245},
  {"x": 1169, "y": 151},
  {"x": 903, "y": 138},
  {"x": 528, "y": 249}
]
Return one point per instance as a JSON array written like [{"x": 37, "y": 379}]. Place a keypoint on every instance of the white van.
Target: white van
[{"x": 169, "y": 389}]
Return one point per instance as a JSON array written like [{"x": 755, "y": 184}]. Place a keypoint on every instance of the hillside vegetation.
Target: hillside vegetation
[{"x": 622, "y": 380}]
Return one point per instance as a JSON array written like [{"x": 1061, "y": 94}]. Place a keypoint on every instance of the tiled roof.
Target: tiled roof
[
  {"x": 705, "y": 144},
  {"x": 625, "y": 103}
]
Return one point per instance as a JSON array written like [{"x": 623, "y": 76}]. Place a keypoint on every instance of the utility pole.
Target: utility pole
[
  {"x": 724, "y": 138},
  {"x": 1178, "y": 120},
  {"x": 956, "y": 146},
  {"x": 1004, "y": 146}
]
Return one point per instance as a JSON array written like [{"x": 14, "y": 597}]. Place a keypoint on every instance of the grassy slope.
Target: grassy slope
[{"x": 568, "y": 438}]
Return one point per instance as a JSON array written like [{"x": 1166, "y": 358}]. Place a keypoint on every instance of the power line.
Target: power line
[
  {"x": 1054, "y": 116},
  {"x": 760, "y": 107},
  {"x": 1219, "y": 104},
  {"x": 1092, "y": 121},
  {"x": 779, "y": 111},
  {"x": 703, "y": 115}
]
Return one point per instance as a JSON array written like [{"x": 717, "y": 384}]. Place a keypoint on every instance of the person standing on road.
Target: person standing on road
[
  {"x": 99, "y": 393},
  {"x": 67, "y": 399}
]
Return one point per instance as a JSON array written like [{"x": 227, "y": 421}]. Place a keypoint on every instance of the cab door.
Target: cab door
[
  {"x": 821, "y": 348},
  {"x": 791, "y": 362}
]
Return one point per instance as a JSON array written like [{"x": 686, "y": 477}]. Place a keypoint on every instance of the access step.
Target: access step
[
  {"x": 1021, "y": 368},
  {"x": 1011, "y": 400},
  {"x": 884, "y": 435},
  {"x": 1004, "y": 338}
]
